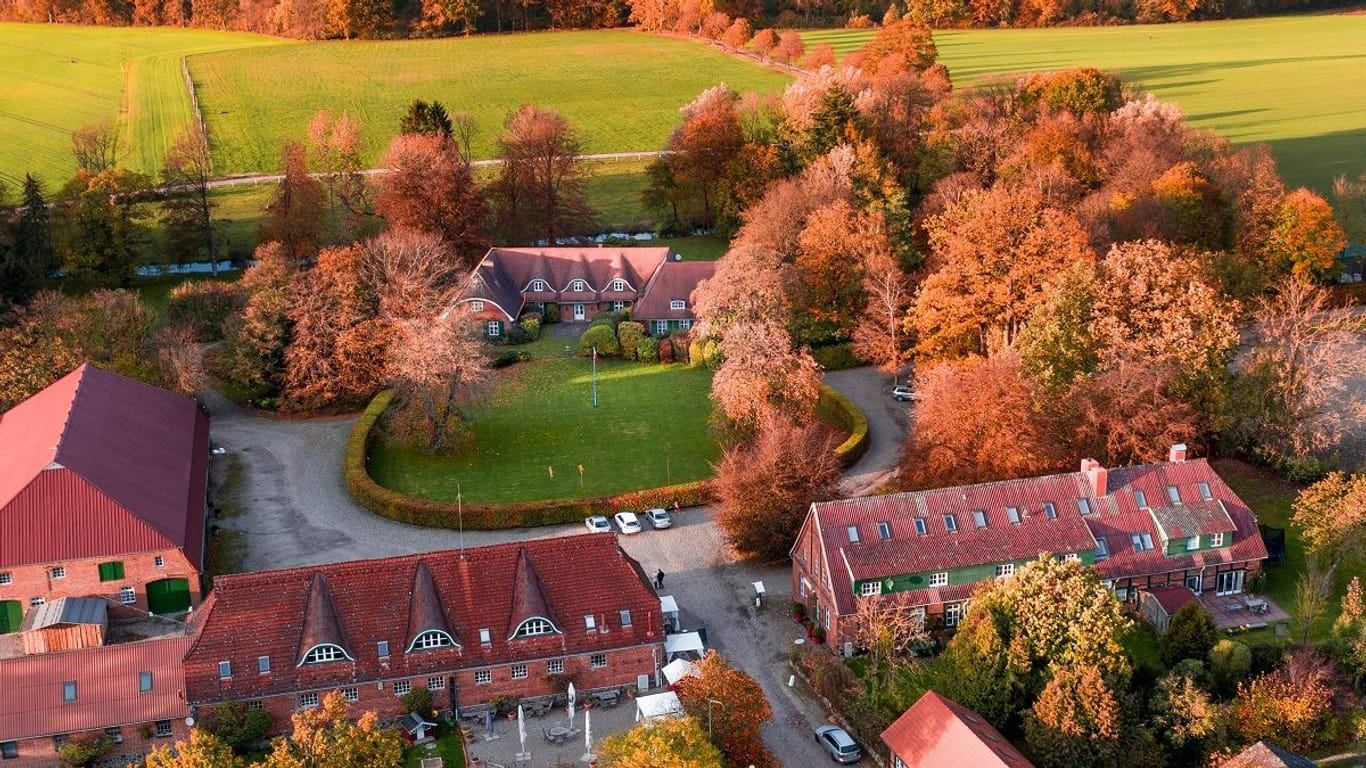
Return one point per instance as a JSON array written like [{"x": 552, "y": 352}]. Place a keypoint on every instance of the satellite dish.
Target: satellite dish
[{"x": 190, "y": 721}]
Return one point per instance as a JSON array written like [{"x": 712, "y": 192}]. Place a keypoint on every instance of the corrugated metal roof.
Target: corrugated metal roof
[
  {"x": 107, "y": 692},
  {"x": 937, "y": 732},
  {"x": 71, "y": 610},
  {"x": 100, "y": 464}
]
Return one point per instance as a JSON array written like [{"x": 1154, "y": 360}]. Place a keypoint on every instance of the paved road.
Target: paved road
[{"x": 888, "y": 421}]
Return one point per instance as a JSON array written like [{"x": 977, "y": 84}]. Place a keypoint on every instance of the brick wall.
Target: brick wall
[
  {"x": 41, "y": 752},
  {"x": 82, "y": 578}
]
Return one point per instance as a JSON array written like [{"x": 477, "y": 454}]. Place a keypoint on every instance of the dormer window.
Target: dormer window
[
  {"x": 539, "y": 285},
  {"x": 432, "y": 638},
  {"x": 534, "y": 627},
  {"x": 578, "y": 286},
  {"x": 618, "y": 285},
  {"x": 321, "y": 654},
  {"x": 678, "y": 304}
]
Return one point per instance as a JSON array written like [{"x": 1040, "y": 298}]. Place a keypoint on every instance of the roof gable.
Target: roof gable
[
  {"x": 1263, "y": 755},
  {"x": 937, "y": 732},
  {"x": 1197, "y": 519},
  {"x": 528, "y": 598},
  {"x": 674, "y": 280},
  {"x": 321, "y": 626},
  {"x": 425, "y": 613}
]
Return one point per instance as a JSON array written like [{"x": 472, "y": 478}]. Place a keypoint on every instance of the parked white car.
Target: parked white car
[
  {"x": 903, "y": 392},
  {"x": 597, "y": 524},
  {"x": 627, "y": 522},
  {"x": 658, "y": 518}
]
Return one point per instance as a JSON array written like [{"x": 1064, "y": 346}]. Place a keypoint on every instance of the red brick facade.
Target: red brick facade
[
  {"x": 132, "y": 743},
  {"x": 81, "y": 578}
]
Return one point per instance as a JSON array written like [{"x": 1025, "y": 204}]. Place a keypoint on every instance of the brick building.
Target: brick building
[
  {"x": 1173, "y": 523},
  {"x": 519, "y": 619},
  {"x": 102, "y": 493}
]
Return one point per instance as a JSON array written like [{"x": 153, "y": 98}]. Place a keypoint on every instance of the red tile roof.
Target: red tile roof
[
  {"x": 1195, "y": 519},
  {"x": 1263, "y": 755},
  {"x": 263, "y": 614},
  {"x": 100, "y": 464},
  {"x": 107, "y": 692},
  {"x": 1172, "y": 599},
  {"x": 505, "y": 273},
  {"x": 675, "y": 280},
  {"x": 937, "y": 732}
]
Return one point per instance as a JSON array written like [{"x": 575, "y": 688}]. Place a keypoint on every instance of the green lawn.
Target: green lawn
[
  {"x": 58, "y": 78},
  {"x": 1292, "y": 81},
  {"x": 650, "y": 429},
  {"x": 620, "y": 88},
  {"x": 448, "y": 746}
]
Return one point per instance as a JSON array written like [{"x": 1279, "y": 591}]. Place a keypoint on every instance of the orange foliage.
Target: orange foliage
[{"x": 735, "y": 722}]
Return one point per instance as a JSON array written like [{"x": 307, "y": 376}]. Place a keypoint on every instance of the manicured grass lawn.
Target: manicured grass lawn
[
  {"x": 650, "y": 429},
  {"x": 58, "y": 78},
  {"x": 1292, "y": 81},
  {"x": 621, "y": 89},
  {"x": 448, "y": 746}
]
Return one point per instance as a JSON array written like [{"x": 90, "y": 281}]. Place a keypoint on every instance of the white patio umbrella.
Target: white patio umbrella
[
  {"x": 521, "y": 727},
  {"x": 571, "y": 706},
  {"x": 588, "y": 736}
]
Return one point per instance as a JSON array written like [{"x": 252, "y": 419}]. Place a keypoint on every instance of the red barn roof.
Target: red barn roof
[
  {"x": 100, "y": 464},
  {"x": 479, "y": 598},
  {"x": 673, "y": 281},
  {"x": 107, "y": 688},
  {"x": 940, "y": 733}
]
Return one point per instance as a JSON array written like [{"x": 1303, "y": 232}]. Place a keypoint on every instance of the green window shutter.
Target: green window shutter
[
  {"x": 11, "y": 614},
  {"x": 111, "y": 571}
]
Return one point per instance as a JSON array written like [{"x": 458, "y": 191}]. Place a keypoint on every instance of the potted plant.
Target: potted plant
[
  {"x": 798, "y": 611},
  {"x": 503, "y": 704}
]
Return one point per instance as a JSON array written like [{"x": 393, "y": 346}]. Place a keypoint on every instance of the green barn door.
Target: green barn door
[
  {"x": 11, "y": 613},
  {"x": 168, "y": 595}
]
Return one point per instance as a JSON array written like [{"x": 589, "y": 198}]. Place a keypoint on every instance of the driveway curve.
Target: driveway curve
[{"x": 888, "y": 421}]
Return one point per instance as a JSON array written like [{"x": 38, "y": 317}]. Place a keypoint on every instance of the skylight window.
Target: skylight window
[
  {"x": 920, "y": 526},
  {"x": 1013, "y": 514},
  {"x": 1173, "y": 494},
  {"x": 1084, "y": 506},
  {"x": 1204, "y": 491},
  {"x": 1141, "y": 498},
  {"x": 1102, "y": 549},
  {"x": 884, "y": 530},
  {"x": 853, "y": 534},
  {"x": 1050, "y": 510},
  {"x": 1142, "y": 542},
  {"x": 979, "y": 518},
  {"x": 950, "y": 523}
]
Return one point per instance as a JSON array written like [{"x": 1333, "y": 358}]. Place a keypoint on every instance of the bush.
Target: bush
[
  {"x": 531, "y": 326},
  {"x": 682, "y": 348},
  {"x": 418, "y": 700},
  {"x": 237, "y": 726},
  {"x": 1229, "y": 664},
  {"x": 1190, "y": 635},
  {"x": 839, "y": 411},
  {"x": 647, "y": 350},
  {"x": 629, "y": 335},
  {"x": 85, "y": 749},
  {"x": 552, "y": 314},
  {"x": 666, "y": 350},
  {"x": 203, "y": 305},
  {"x": 836, "y": 357},
  {"x": 601, "y": 336}
]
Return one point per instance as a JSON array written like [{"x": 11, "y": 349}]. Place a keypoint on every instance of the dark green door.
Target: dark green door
[
  {"x": 168, "y": 595},
  {"x": 11, "y": 613}
]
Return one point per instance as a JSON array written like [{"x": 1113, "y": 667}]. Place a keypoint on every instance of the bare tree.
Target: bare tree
[
  {"x": 96, "y": 147},
  {"x": 463, "y": 129},
  {"x": 540, "y": 190},
  {"x": 414, "y": 274},
  {"x": 880, "y": 335},
  {"x": 188, "y": 206}
]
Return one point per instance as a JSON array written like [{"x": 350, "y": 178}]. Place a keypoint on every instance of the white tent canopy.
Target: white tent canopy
[
  {"x": 668, "y": 607},
  {"x": 683, "y": 643},
  {"x": 658, "y": 705},
  {"x": 678, "y": 669}
]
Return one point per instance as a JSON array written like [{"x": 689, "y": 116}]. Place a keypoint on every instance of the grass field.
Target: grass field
[
  {"x": 650, "y": 429},
  {"x": 1294, "y": 82},
  {"x": 621, "y": 89},
  {"x": 59, "y": 78}
]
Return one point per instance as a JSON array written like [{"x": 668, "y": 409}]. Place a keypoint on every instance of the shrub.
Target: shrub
[
  {"x": 1229, "y": 663},
  {"x": 531, "y": 326},
  {"x": 1190, "y": 635},
  {"x": 666, "y": 350},
  {"x": 647, "y": 349},
  {"x": 552, "y": 314},
  {"x": 818, "y": 634},
  {"x": 418, "y": 700},
  {"x": 203, "y": 305},
  {"x": 836, "y": 357},
  {"x": 682, "y": 349},
  {"x": 237, "y": 726},
  {"x": 629, "y": 335},
  {"x": 839, "y": 411},
  {"x": 85, "y": 749},
  {"x": 601, "y": 336}
]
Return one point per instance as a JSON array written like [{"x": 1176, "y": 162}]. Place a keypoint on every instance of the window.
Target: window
[
  {"x": 920, "y": 526},
  {"x": 979, "y": 518},
  {"x": 617, "y": 306},
  {"x": 1102, "y": 549},
  {"x": 678, "y": 304},
  {"x": 484, "y": 636},
  {"x": 57, "y": 572},
  {"x": 1013, "y": 514},
  {"x": 144, "y": 682},
  {"x": 953, "y": 612},
  {"x": 950, "y": 523},
  {"x": 159, "y": 561},
  {"x": 884, "y": 530},
  {"x": 483, "y": 677},
  {"x": 555, "y": 667},
  {"x": 1204, "y": 490},
  {"x": 263, "y": 664},
  {"x": 69, "y": 692},
  {"x": 1141, "y": 498},
  {"x": 114, "y": 734},
  {"x": 1071, "y": 557},
  {"x": 308, "y": 699},
  {"x": 1142, "y": 542},
  {"x": 255, "y": 704},
  {"x": 436, "y": 683},
  {"x": 34, "y": 602},
  {"x": 9, "y": 749},
  {"x": 533, "y": 627},
  {"x": 661, "y": 327},
  {"x": 618, "y": 285},
  {"x": 597, "y": 660},
  {"x": 224, "y": 670},
  {"x": 128, "y": 595},
  {"x": 539, "y": 285},
  {"x": 351, "y": 694},
  {"x": 476, "y": 306},
  {"x": 590, "y": 623},
  {"x": 1173, "y": 494},
  {"x": 164, "y": 728},
  {"x": 518, "y": 671},
  {"x": 432, "y": 638},
  {"x": 1050, "y": 510},
  {"x": 111, "y": 571},
  {"x": 853, "y": 534},
  {"x": 578, "y": 286},
  {"x": 685, "y": 324},
  {"x": 60, "y": 739},
  {"x": 402, "y": 687},
  {"x": 1216, "y": 540},
  {"x": 1193, "y": 543},
  {"x": 940, "y": 579},
  {"x": 383, "y": 647},
  {"x": 6, "y": 578},
  {"x": 495, "y": 328},
  {"x": 1005, "y": 570},
  {"x": 1084, "y": 506},
  {"x": 323, "y": 653},
  {"x": 625, "y": 617}
]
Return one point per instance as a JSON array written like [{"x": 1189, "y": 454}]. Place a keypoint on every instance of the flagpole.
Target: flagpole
[{"x": 595, "y": 375}]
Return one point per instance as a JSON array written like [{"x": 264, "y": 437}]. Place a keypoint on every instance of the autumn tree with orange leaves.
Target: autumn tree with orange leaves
[
  {"x": 732, "y": 706},
  {"x": 540, "y": 191},
  {"x": 1076, "y": 721},
  {"x": 430, "y": 188},
  {"x": 294, "y": 216},
  {"x": 1307, "y": 238}
]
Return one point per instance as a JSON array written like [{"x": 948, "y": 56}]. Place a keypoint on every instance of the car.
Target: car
[
  {"x": 597, "y": 524},
  {"x": 627, "y": 522},
  {"x": 903, "y": 392},
  {"x": 840, "y": 745},
  {"x": 658, "y": 518}
]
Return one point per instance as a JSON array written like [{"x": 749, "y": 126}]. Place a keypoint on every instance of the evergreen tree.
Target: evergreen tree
[
  {"x": 26, "y": 263},
  {"x": 431, "y": 119}
]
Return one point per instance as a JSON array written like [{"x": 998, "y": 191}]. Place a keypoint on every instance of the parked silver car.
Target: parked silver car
[
  {"x": 658, "y": 518},
  {"x": 838, "y": 742}
]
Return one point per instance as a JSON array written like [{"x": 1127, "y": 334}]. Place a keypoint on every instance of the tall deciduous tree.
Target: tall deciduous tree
[
  {"x": 325, "y": 737},
  {"x": 1307, "y": 238},
  {"x": 334, "y": 150},
  {"x": 540, "y": 191},
  {"x": 761, "y": 370},
  {"x": 733, "y": 706},
  {"x": 1332, "y": 515},
  {"x": 666, "y": 743},
  {"x": 1288, "y": 706},
  {"x": 255, "y": 340},
  {"x": 902, "y": 39},
  {"x": 701, "y": 150},
  {"x": 430, "y": 188},
  {"x": 202, "y": 750},
  {"x": 1076, "y": 722},
  {"x": 96, "y": 147},
  {"x": 188, "y": 207},
  {"x": 101, "y": 226},
  {"x": 880, "y": 335},
  {"x": 294, "y": 216}
]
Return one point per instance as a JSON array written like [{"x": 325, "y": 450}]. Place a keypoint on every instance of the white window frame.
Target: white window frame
[
  {"x": 852, "y": 532},
  {"x": 685, "y": 324},
  {"x": 597, "y": 661},
  {"x": 884, "y": 530},
  {"x": 1192, "y": 543},
  {"x": 661, "y": 327},
  {"x": 436, "y": 683},
  {"x": 1013, "y": 515},
  {"x": 1071, "y": 557},
  {"x": 225, "y": 670},
  {"x": 578, "y": 286},
  {"x": 57, "y": 572},
  {"x": 350, "y": 694},
  {"x": 263, "y": 665},
  {"x": 1216, "y": 539},
  {"x": 34, "y": 602},
  {"x": 1141, "y": 499},
  {"x": 476, "y": 306},
  {"x": 323, "y": 653},
  {"x": 539, "y": 286},
  {"x": 554, "y": 667},
  {"x": 1102, "y": 548},
  {"x": 164, "y": 729},
  {"x": 1205, "y": 492},
  {"x": 1173, "y": 494},
  {"x": 953, "y": 613},
  {"x": 1050, "y": 510},
  {"x": 677, "y": 304},
  {"x": 518, "y": 672},
  {"x": 402, "y": 687},
  {"x": 430, "y": 639},
  {"x": 939, "y": 579},
  {"x": 483, "y": 676},
  {"x": 485, "y": 637},
  {"x": 159, "y": 561},
  {"x": 920, "y": 528},
  {"x": 1084, "y": 506},
  {"x": 115, "y": 733},
  {"x": 308, "y": 700},
  {"x": 950, "y": 523},
  {"x": 619, "y": 285},
  {"x": 624, "y": 616},
  {"x": 382, "y": 649},
  {"x": 618, "y": 305},
  {"x": 1005, "y": 570},
  {"x": 5, "y": 578},
  {"x": 1142, "y": 542},
  {"x": 979, "y": 518},
  {"x": 870, "y": 589},
  {"x": 590, "y": 622},
  {"x": 127, "y": 595},
  {"x": 493, "y": 328}
]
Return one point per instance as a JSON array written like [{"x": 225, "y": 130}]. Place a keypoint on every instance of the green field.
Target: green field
[
  {"x": 59, "y": 78},
  {"x": 1295, "y": 82},
  {"x": 650, "y": 429},
  {"x": 621, "y": 89}
]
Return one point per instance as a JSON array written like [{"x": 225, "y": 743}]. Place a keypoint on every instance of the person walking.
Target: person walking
[{"x": 659, "y": 579}]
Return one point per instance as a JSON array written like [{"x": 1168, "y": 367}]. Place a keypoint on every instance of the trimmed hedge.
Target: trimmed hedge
[
  {"x": 409, "y": 509},
  {"x": 834, "y": 408}
]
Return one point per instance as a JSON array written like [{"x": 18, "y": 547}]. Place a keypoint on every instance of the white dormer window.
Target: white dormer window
[
  {"x": 323, "y": 653},
  {"x": 476, "y": 306},
  {"x": 1005, "y": 571},
  {"x": 1216, "y": 540},
  {"x": 539, "y": 285},
  {"x": 432, "y": 638},
  {"x": 618, "y": 285},
  {"x": 678, "y": 304},
  {"x": 534, "y": 627},
  {"x": 870, "y": 589},
  {"x": 578, "y": 286}
]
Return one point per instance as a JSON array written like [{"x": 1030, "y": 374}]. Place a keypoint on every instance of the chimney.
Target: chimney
[
  {"x": 1097, "y": 476},
  {"x": 1177, "y": 453}
]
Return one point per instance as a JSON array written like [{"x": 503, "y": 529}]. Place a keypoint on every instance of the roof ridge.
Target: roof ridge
[{"x": 82, "y": 369}]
